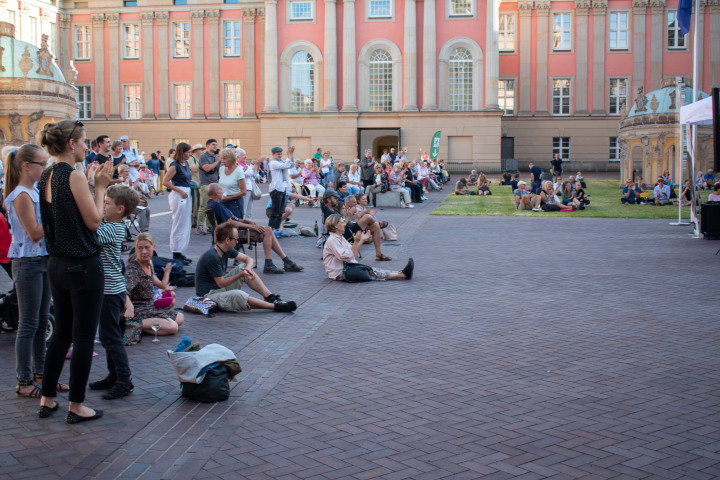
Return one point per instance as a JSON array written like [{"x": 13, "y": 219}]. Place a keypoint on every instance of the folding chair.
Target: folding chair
[{"x": 210, "y": 214}]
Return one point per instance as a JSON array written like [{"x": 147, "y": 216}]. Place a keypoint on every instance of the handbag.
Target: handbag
[
  {"x": 356, "y": 272},
  {"x": 256, "y": 193},
  {"x": 215, "y": 387},
  {"x": 132, "y": 333},
  {"x": 200, "y": 305},
  {"x": 389, "y": 233}
]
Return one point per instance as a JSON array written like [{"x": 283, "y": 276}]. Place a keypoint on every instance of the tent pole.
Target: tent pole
[
  {"x": 679, "y": 149},
  {"x": 696, "y": 95}
]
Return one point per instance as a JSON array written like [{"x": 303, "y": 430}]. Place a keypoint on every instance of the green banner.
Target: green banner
[{"x": 435, "y": 145}]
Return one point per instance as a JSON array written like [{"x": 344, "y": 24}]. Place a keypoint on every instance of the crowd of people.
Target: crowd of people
[{"x": 636, "y": 192}]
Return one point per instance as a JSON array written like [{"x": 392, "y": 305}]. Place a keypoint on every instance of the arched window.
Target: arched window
[
  {"x": 460, "y": 79},
  {"x": 381, "y": 81},
  {"x": 302, "y": 82}
]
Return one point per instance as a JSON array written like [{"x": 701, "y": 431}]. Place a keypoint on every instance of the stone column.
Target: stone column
[
  {"x": 64, "y": 50},
  {"x": 492, "y": 55},
  {"x": 410, "y": 58},
  {"x": 330, "y": 58},
  {"x": 261, "y": 65},
  {"x": 599, "y": 19},
  {"x": 639, "y": 9},
  {"x": 542, "y": 11},
  {"x": 198, "y": 59},
  {"x": 581, "y": 57},
  {"x": 162, "y": 66},
  {"x": 525, "y": 34},
  {"x": 349, "y": 58},
  {"x": 213, "y": 56},
  {"x": 249, "y": 39},
  {"x": 44, "y": 28},
  {"x": 714, "y": 53},
  {"x": 98, "y": 20},
  {"x": 271, "y": 58},
  {"x": 429, "y": 71},
  {"x": 657, "y": 9},
  {"x": 114, "y": 95},
  {"x": 146, "y": 19}
]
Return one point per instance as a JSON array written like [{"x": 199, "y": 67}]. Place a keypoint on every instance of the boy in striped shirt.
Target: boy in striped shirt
[{"x": 120, "y": 200}]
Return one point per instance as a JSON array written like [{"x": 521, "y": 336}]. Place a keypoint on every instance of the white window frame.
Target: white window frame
[
  {"x": 561, "y": 30},
  {"x": 615, "y": 100},
  {"x": 131, "y": 46},
  {"x": 132, "y": 107},
  {"x": 444, "y": 72},
  {"x": 560, "y": 97},
  {"x": 614, "y": 152},
  {"x": 614, "y": 27},
  {"x": 468, "y": 94},
  {"x": 236, "y": 98},
  {"x": 561, "y": 146},
  {"x": 182, "y": 39},
  {"x": 502, "y": 100},
  {"x": 33, "y": 22},
  {"x": 388, "y": 65},
  {"x": 452, "y": 12},
  {"x": 293, "y": 107},
  {"x": 680, "y": 41},
  {"x": 505, "y": 45},
  {"x": 86, "y": 42},
  {"x": 53, "y": 34},
  {"x": 187, "y": 88},
  {"x": 87, "y": 101},
  {"x": 231, "y": 141},
  {"x": 293, "y": 18},
  {"x": 236, "y": 40},
  {"x": 369, "y": 11}
]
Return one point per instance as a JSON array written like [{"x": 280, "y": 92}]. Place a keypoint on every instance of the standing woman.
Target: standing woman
[
  {"x": 23, "y": 167},
  {"x": 70, "y": 218},
  {"x": 232, "y": 179},
  {"x": 177, "y": 180}
]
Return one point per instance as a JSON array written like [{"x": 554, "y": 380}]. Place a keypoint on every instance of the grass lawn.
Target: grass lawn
[{"x": 604, "y": 203}]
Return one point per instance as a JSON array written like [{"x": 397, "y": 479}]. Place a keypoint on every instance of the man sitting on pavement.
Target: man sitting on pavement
[
  {"x": 213, "y": 283},
  {"x": 258, "y": 233}
]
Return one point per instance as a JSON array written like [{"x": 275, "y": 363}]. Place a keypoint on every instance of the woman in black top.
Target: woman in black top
[
  {"x": 70, "y": 219},
  {"x": 177, "y": 180}
]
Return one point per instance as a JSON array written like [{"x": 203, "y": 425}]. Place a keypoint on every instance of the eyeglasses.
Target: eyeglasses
[
  {"x": 78, "y": 123},
  {"x": 42, "y": 164}
]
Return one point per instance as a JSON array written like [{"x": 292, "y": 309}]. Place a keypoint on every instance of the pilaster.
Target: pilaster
[
  {"x": 349, "y": 87},
  {"x": 146, "y": 21},
  {"x": 330, "y": 58},
  {"x": 542, "y": 11},
  {"x": 114, "y": 95},
  {"x": 64, "y": 42},
  {"x": 271, "y": 58},
  {"x": 657, "y": 14},
  {"x": 714, "y": 53},
  {"x": 213, "y": 58},
  {"x": 198, "y": 57},
  {"x": 639, "y": 11},
  {"x": 599, "y": 19},
  {"x": 525, "y": 33},
  {"x": 249, "y": 40},
  {"x": 492, "y": 59},
  {"x": 163, "y": 18},
  {"x": 429, "y": 71},
  {"x": 98, "y": 21},
  {"x": 582, "y": 9}
]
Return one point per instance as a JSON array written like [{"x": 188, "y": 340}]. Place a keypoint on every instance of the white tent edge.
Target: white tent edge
[{"x": 697, "y": 113}]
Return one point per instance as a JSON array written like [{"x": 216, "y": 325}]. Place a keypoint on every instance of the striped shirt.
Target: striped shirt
[{"x": 111, "y": 235}]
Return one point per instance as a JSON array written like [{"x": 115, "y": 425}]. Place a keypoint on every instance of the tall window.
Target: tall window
[
  {"x": 561, "y": 146},
  {"x": 380, "y": 9},
  {"x": 233, "y": 100},
  {"x": 561, "y": 32},
  {"x": 460, "y": 79},
  {"x": 182, "y": 100},
  {"x": 460, "y": 7},
  {"x": 231, "y": 141},
  {"x": 380, "y": 81},
  {"x": 132, "y": 103},
  {"x": 131, "y": 40},
  {"x": 82, "y": 42},
  {"x": 232, "y": 38},
  {"x": 33, "y": 31},
  {"x": 84, "y": 100},
  {"x": 506, "y": 96},
  {"x": 178, "y": 141},
  {"x": 618, "y": 95},
  {"x": 301, "y": 10},
  {"x": 506, "y": 39},
  {"x": 302, "y": 82},
  {"x": 675, "y": 39},
  {"x": 619, "y": 30},
  {"x": 614, "y": 150},
  {"x": 181, "y": 36},
  {"x": 561, "y": 96},
  {"x": 53, "y": 38}
]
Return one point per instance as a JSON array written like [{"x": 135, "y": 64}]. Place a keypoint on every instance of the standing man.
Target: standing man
[
  {"x": 556, "y": 163},
  {"x": 104, "y": 145},
  {"x": 393, "y": 157},
  {"x": 367, "y": 167},
  {"x": 131, "y": 157},
  {"x": 535, "y": 174},
  {"x": 90, "y": 156},
  {"x": 209, "y": 173},
  {"x": 280, "y": 181}
]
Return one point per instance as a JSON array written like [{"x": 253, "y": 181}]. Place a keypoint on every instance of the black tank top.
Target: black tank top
[
  {"x": 65, "y": 232},
  {"x": 182, "y": 176}
]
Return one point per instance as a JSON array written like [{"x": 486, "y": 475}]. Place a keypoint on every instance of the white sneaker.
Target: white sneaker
[
  {"x": 411, "y": 206},
  {"x": 537, "y": 209}
]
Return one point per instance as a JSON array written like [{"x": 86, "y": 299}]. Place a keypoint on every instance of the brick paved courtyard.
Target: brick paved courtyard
[{"x": 523, "y": 348}]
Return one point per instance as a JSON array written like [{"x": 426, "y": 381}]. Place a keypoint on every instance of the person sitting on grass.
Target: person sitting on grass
[
  {"x": 473, "y": 177},
  {"x": 338, "y": 250},
  {"x": 506, "y": 178},
  {"x": 483, "y": 185},
  {"x": 715, "y": 196},
  {"x": 579, "y": 178},
  {"x": 708, "y": 179},
  {"x": 688, "y": 193},
  {"x": 547, "y": 196},
  {"x": 213, "y": 283},
  {"x": 523, "y": 197},
  {"x": 580, "y": 194},
  {"x": 662, "y": 192},
  {"x": 461, "y": 188},
  {"x": 631, "y": 193},
  {"x": 569, "y": 197},
  {"x": 515, "y": 182}
]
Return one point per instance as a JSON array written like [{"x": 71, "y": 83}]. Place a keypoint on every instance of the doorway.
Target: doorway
[{"x": 377, "y": 140}]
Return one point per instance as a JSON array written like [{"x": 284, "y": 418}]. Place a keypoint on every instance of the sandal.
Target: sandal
[
  {"x": 383, "y": 224},
  {"x": 34, "y": 393},
  {"x": 382, "y": 258},
  {"x": 61, "y": 387}
]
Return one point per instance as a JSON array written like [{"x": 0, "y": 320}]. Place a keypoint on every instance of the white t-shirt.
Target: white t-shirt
[
  {"x": 249, "y": 177},
  {"x": 354, "y": 177},
  {"x": 229, "y": 182},
  {"x": 325, "y": 165}
]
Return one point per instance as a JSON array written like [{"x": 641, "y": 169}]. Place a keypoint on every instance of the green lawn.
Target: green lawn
[{"x": 604, "y": 203}]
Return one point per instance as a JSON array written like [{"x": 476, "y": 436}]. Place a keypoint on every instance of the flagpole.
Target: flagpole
[{"x": 693, "y": 209}]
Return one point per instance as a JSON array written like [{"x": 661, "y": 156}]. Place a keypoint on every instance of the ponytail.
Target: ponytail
[{"x": 14, "y": 162}]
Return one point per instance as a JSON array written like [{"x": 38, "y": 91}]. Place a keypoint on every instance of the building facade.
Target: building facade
[{"x": 500, "y": 79}]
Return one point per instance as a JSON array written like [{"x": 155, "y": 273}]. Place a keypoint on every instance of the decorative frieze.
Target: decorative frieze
[
  {"x": 213, "y": 16},
  {"x": 197, "y": 16},
  {"x": 163, "y": 18},
  {"x": 248, "y": 15},
  {"x": 525, "y": 8},
  {"x": 146, "y": 18},
  {"x": 113, "y": 19},
  {"x": 98, "y": 19}
]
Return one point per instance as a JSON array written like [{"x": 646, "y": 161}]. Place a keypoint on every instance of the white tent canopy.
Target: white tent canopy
[{"x": 697, "y": 113}]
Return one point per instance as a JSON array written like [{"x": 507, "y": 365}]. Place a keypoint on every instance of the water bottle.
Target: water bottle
[{"x": 316, "y": 228}]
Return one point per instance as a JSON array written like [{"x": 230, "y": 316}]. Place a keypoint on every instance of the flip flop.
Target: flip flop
[
  {"x": 382, "y": 258},
  {"x": 34, "y": 393}
]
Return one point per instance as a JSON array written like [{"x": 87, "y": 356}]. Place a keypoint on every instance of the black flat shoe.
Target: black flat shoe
[
  {"x": 45, "y": 412},
  {"x": 72, "y": 418}
]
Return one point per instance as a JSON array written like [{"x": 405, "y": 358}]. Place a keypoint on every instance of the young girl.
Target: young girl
[{"x": 24, "y": 166}]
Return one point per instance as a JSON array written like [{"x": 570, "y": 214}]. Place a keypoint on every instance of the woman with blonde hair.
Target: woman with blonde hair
[{"x": 232, "y": 179}]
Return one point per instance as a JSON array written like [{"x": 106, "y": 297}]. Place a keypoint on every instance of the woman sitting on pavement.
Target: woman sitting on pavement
[
  {"x": 362, "y": 209},
  {"x": 139, "y": 279},
  {"x": 337, "y": 251}
]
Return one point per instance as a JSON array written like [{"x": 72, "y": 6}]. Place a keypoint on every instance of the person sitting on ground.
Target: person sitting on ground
[
  {"x": 506, "y": 178},
  {"x": 547, "y": 196},
  {"x": 569, "y": 197},
  {"x": 687, "y": 194},
  {"x": 668, "y": 178},
  {"x": 213, "y": 283},
  {"x": 523, "y": 197},
  {"x": 515, "y": 182},
  {"x": 662, "y": 192},
  {"x": 367, "y": 222},
  {"x": 699, "y": 182},
  {"x": 258, "y": 233},
  {"x": 483, "y": 184},
  {"x": 631, "y": 193},
  {"x": 580, "y": 194},
  {"x": 708, "y": 179},
  {"x": 139, "y": 280},
  {"x": 360, "y": 203},
  {"x": 579, "y": 178},
  {"x": 461, "y": 188},
  {"x": 472, "y": 179},
  {"x": 285, "y": 219},
  {"x": 715, "y": 196},
  {"x": 396, "y": 180},
  {"x": 338, "y": 250}
]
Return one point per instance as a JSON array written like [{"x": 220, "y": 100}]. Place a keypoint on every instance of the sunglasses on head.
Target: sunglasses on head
[{"x": 78, "y": 123}]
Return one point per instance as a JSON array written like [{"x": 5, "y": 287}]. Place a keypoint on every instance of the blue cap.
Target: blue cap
[{"x": 276, "y": 150}]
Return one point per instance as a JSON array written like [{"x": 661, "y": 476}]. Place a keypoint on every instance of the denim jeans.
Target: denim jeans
[
  {"x": 33, "y": 292},
  {"x": 112, "y": 327},
  {"x": 77, "y": 287}
]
